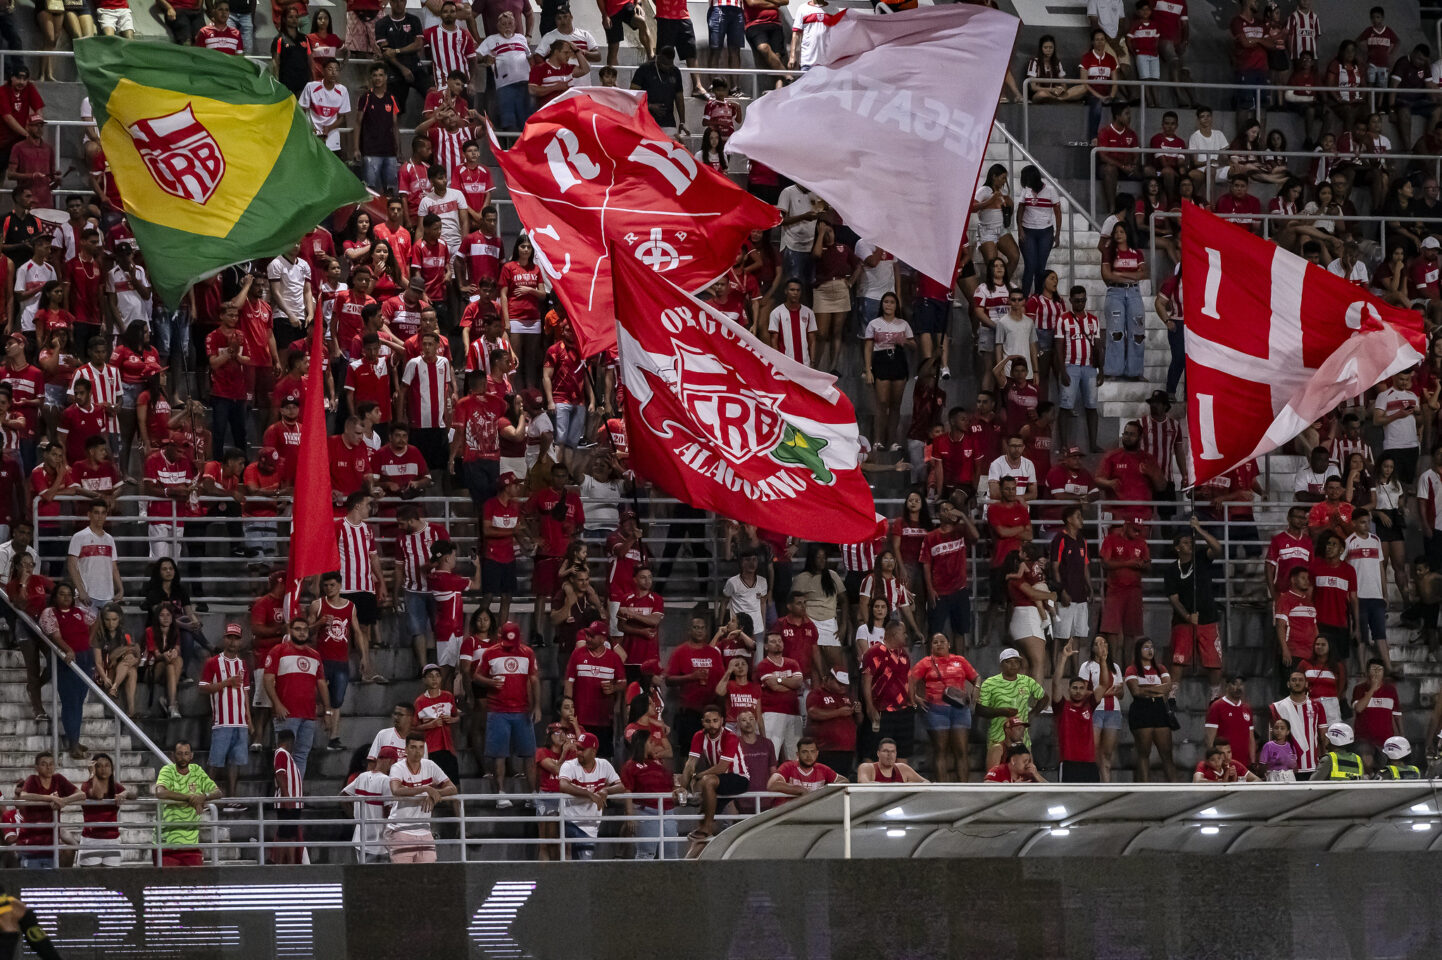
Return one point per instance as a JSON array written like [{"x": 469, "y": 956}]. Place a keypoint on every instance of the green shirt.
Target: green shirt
[
  {"x": 195, "y": 780},
  {"x": 1020, "y": 693}
]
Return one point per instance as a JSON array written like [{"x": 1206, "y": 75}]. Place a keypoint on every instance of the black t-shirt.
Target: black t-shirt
[
  {"x": 378, "y": 115},
  {"x": 401, "y": 33},
  {"x": 661, "y": 91},
  {"x": 1192, "y": 586},
  {"x": 292, "y": 61}
]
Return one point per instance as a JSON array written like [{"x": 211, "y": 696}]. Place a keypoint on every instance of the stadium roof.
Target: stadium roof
[{"x": 1047, "y": 820}]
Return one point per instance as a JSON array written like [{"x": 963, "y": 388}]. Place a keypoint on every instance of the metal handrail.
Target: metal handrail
[
  {"x": 1225, "y": 152},
  {"x": 57, "y": 662},
  {"x": 1257, "y": 90}
]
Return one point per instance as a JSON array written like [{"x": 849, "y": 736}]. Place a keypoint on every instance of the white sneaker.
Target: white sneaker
[
  {"x": 503, "y": 804},
  {"x": 946, "y": 373},
  {"x": 174, "y": 712}
]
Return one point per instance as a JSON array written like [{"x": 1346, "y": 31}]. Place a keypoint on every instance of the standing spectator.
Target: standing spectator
[
  {"x": 1189, "y": 586},
  {"x": 415, "y": 535},
  {"x": 447, "y": 588},
  {"x": 1124, "y": 268},
  {"x": 290, "y": 56},
  {"x": 1150, "y": 717},
  {"x": 399, "y": 40},
  {"x": 694, "y": 669},
  {"x": 1125, "y": 556},
  {"x": 288, "y": 783},
  {"x": 44, "y": 794},
  {"x": 220, "y": 35},
  {"x": 183, "y": 18},
  {"x": 832, "y": 716},
  {"x": 791, "y": 328},
  {"x": 435, "y": 714},
  {"x": 800, "y": 210},
  {"x": 1129, "y": 474},
  {"x": 1304, "y": 31},
  {"x": 647, "y": 772},
  {"x": 1040, "y": 225},
  {"x": 328, "y": 104},
  {"x": 430, "y": 396},
  {"x": 941, "y": 680},
  {"x": 715, "y": 769},
  {"x": 638, "y": 618},
  {"x": 1249, "y": 54},
  {"x": 226, "y": 680},
  {"x": 1076, "y": 745},
  {"x": 781, "y": 681},
  {"x": 184, "y": 789},
  {"x": 1082, "y": 356},
  {"x": 1296, "y": 617},
  {"x": 1378, "y": 712},
  {"x": 361, "y": 582},
  {"x": 567, "y": 388},
  {"x": 91, "y": 562},
  {"x": 418, "y": 784},
  {"x": 1100, "y": 71},
  {"x": 944, "y": 569},
  {"x": 508, "y": 670},
  {"x": 1339, "y": 763},
  {"x": 1230, "y": 719},
  {"x": 1364, "y": 554},
  {"x": 1306, "y": 718},
  {"x": 1398, "y": 410},
  {"x": 376, "y": 131},
  {"x": 103, "y": 794},
  {"x": 559, "y": 516},
  {"x": 293, "y": 680},
  {"x": 887, "y": 694},
  {"x": 594, "y": 675},
  {"x": 508, "y": 56}
]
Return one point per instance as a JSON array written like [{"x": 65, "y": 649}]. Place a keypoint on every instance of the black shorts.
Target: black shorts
[
  {"x": 679, "y": 34},
  {"x": 1397, "y": 531},
  {"x": 731, "y": 785},
  {"x": 498, "y": 577},
  {"x": 367, "y": 611},
  {"x": 625, "y": 17},
  {"x": 1148, "y": 713},
  {"x": 853, "y": 586},
  {"x": 767, "y": 34},
  {"x": 449, "y": 765},
  {"x": 899, "y": 725},
  {"x": 889, "y": 365},
  {"x": 1079, "y": 771},
  {"x": 289, "y": 828}
]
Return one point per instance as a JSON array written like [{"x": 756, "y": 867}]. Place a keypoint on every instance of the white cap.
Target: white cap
[
  {"x": 1430, "y": 243},
  {"x": 1396, "y": 747},
  {"x": 1339, "y": 734},
  {"x": 1010, "y": 653},
  {"x": 842, "y": 677}
]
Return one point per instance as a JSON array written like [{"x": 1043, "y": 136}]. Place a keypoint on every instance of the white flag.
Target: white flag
[{"x": 904, "y": 105}]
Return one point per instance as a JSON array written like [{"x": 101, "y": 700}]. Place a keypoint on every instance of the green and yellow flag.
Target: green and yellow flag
[{"x": 214, "y": 160}]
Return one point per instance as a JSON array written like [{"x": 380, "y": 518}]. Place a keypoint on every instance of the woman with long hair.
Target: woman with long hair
[
  {"x": 154, "y": 415},
  {"x": 162, "y": 649},
  {"x": 1391, "y": 525},
  {"x": 1029, "y": 597},
  {"x": 50, "y": 312},
  {"x": 885, "y": 581},
  {"x": 1150, "y": 683},
  {"x": 1039, "y": 225},
  {"x": 1389, "y": 281},
  {"x": 100, "y": 837},
  {"x": 825, "y": 591},
  {"x": 992, "y": 209},
  {"x": 1404, "y": 223},
  {"x": 1153, "y": 200},
  {"x": 1326, "y": 677},
  {"x": 68, "y": 627},
  {"x": 989, "y": 303},
  {"x": 887, "y": 340},
  {"x": 737, "y": 691},
  {"x": 1274, "y": 161},
  {"x": 116, "y": 657},
  {"x": 941, "y": 679},
  {"x": 522, "y": 290},
  {"x": 1045, "y": 309},
  {"x": 29, "y": 591},
  {"x": 138, "y": 362},
  {"x": 325, "y": 45},
  {"x": 712, "y": 153},
  {"x": 58, "y": 363},
  {"x": 390, "y": 276},
  {"x": 1125, "y": 321},
  {"x": 1104, "y": 679},
  {"x": 1360, "y": 488},
  {"x": 1320, "y": 212},
  {"x": 871, "y": 630},
  {"x": 761, "y": 276},
  {"x": 1345, "y": 71},
  {"x": 358, "y": 238},
  {"x": 834, "y": 266},
  {"x": 907, "y": 534},
  {"x": 557, "y": 750},
  {"x": 1047, "y": 66}
]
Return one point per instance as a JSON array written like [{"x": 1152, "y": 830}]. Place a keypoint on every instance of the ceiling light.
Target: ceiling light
[
  {"x": 1211, "y": 831},
  {"x": 1421, "y": 827},
  {"x": 1056, "y": 811},
  {"x": 1420, "y": 808},
  {"x": 1060, "y": 832},
  {"x": 894, "y": 813},
  {"x": 1209, "y": 812},
  {"x": 896, "y": 833}
]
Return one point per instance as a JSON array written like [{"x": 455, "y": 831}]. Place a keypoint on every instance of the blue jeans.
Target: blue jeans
[
  {"x": 1094, "y": 115},
  {"x": 513, "y": 106},
  {"x": 797, "y": 264},
  {"x": 73, "y": 692},
  {"x": 260, "y": 535},
  {"x": 579, "y": 851},
  {"x": 656, "y": 829},
  {"x": 1126, "y": 339},
  {"x": 245, "y": 23},
  {"x": 1035, "y": 248},
  {"x": 171, "y": 330},
  {"x": 570, "y": 424},
  {"x": 510, "y": 735},
  {"x": 304, "y": 731},
  {"x": 1177, "y": 341},
  {"x": 380, "y": 173}
]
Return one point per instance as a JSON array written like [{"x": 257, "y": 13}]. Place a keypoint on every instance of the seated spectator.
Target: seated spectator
[
  {"x": 1018, "y": 768},
  {"x": 886, "y": 768}
]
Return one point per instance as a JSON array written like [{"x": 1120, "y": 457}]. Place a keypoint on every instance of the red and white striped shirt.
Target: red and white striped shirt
[
  {"x": 1045, "y": 312},
  {"x": 288, "y": 781},
  {"x": 426, "y": 383},
  {"x": 892, "y": 589},
  {"x": 104, "y": 388},
  {"x": 1078, "y": 336},
  {"x": 1159, "y": 438},
  {"x": 478, "y": 356},
  {"x": 1303, "y": 718},
  {"x": 1339, "y": 449},
  {"x": 860, "y": 557},
  {"x": 451, "y": 49},
  {"x": 727, "y": 746},
  {"x": 1303, "y": 32},
  {"x": 793, "y": 326},
  {"x": 414, "y": 552},
  {"x": 357, "y": 543},
  {"x": 227, "y": 705},
  {"x": 447, "y": 144}
]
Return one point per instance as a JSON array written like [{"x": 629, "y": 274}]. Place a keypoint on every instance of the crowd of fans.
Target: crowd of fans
[{"x": 453, "y": 372}]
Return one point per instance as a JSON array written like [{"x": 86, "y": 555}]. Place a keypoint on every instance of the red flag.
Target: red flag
[
  {"x": 593, "y": 173},
  {"x": 720, "y": 420},
  {"x": 313, "y": 548},
  {"x": 1274, "y": 342}
]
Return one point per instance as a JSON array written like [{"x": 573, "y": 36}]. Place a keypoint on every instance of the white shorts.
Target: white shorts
[
  {"x": 165, "y": 539},
  {"x": 783, "y": 730},
  {"x": 518, "y": 326},
  {"x": 1026, "y": 622},
  {"x": 826, "y": 633},
  {"x": 1072, "y": 620},
  {"x": 117, "y": 20},
  {"x": 1149, "y": 68},
  {"x": 97, "y": 852},
  {"x": 988, "y": 233},
  {"x": 260, "y": 698},
  {"x": 448, "y": 652},
  {"x": 613, "y": 607}
]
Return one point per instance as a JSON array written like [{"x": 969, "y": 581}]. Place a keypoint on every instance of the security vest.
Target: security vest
[
  {"x": 1399, "y": 771},
  {"x": 1345, "y": 766}
]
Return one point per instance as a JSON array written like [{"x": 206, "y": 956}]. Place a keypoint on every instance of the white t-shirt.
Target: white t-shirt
[
  {"x": 887, "y": 334},
  {"x": 372, "y": 790},
  {"x": 1015, "y": 336},
  {"x": 583, "y": 40},
  {"x": 293, "y": 278},
  {"x": 1309, "y": 481},
  {"x": 747, "y": 600},
  {"x": 1359, "y": 272},
  {"x": 1025, "y": 474},
  {"x": 1400, "y": 434},
  {"x": 325, "y": 107},
  {"x": 1365, "y": 556},
  {"x": 27, "y": 274},
  {"x": 128, "y": 302},
  {"x": 513, "y": 58},
  {"x": 1429, "y": 487},
  {"x": 1109, "y": 14},
  {"x": 990, "y": 216},
  {"x": 866, "y": 636},
  {"x": 387, "y": 738},
  {"x": 407, "y": 815},
  {"x": 878, "y": 280},
  {"x": 582, "y": 810},
  {"x": 602, "y": 503},
  {"x": 448, "y": 207},
  {"x": 793, "y": 202},
  {"x": 95, "y": 555},
  {"x": 1216, "y": 142},
  {"x": 1091, "y": 672},
  {"x": 1037, "y": 207}
]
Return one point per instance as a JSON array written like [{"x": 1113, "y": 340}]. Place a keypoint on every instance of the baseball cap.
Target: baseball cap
[
  {"x": 428, "y": 668},
  {"x": 1339, "y": 733},
  {"x": 531, "y": 397},
  {"x": 17, "y": 336},
  {"x": 388, "y": 752},
  {"x": 588, "y": 741},
  {"x": 508, "y": 478},
  {"x": 1010, "y": 653},
  {"x": 598, "y": 627},
  {"x": 1072, "y": 451},
  {"x": 269, "y": 455},
  {"x": 277, "y": 576},
  {"x": 511, "y": 630},
  {"x": 651, "y": 668},
  {"x": 1430, "y": 243},
  {"x": 628, "y": 514},
  {"x": 841, "y": 675},
  {"x": 233, "y": 629},
  {"x": 290, "y": 397},
  {"x": 1396, "y": 747}
]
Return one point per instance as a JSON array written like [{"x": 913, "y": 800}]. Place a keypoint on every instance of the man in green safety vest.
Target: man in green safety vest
[
  {"x": 1397, "y": 750},
  {"x": 1339, "y": 762}
]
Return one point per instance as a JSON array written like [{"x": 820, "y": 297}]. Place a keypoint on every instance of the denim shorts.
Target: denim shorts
[
  {"x": 1107, "y": 719},
  {"x": 337, "y": 678},
  {"x": 420, "y": 612},
  {"x": 229, "y": 745},
  {"x": 946, "y": 716},
  {"x": 510, "y": 735},
  {"x": 724, "y": 26}
]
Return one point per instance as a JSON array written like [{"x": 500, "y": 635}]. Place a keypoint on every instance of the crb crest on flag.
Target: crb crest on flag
[
  {"x": 721, "y": 421},
  {"x": 180, "y": 154}
]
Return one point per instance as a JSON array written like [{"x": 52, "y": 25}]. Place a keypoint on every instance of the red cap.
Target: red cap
[
  {"x": 588, "y": 741},
  {"x": 598, "y": 627},
  {"x": 651, "y": 667},
  {"x": 511, "y": 631}
]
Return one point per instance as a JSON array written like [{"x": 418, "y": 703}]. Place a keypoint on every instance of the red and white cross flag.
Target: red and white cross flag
[
  {"x": 1274, "y": 342},
  {"x": 593, "y": 174},
  {"x": 720, "y": 420}
]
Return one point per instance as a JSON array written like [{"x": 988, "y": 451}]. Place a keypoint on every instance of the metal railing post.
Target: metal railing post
[
  {"x": 260, "y": 826},
  {"x": 55, "y": 718}
]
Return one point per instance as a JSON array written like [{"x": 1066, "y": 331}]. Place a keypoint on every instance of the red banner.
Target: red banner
[
  {"x": 1274, "y": 342},
  {"x": 313, "y": 548},
  {"x": 720, "y": 420},
  {"x": 593, "y": 173}
]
